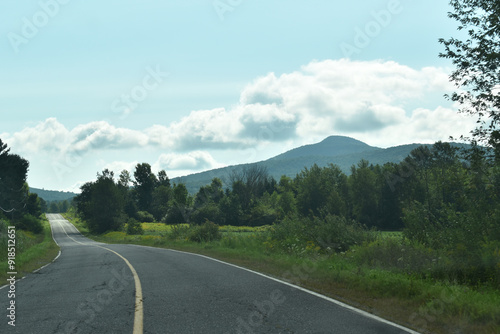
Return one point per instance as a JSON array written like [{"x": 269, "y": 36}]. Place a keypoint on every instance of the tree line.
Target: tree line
[{"x": 431, "y": 183}]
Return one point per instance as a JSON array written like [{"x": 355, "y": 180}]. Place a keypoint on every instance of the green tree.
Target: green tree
[
  {"x": 477, "y": 62},
  {"x": 13, "y": 187},
  {"x": 162, "y": 196},
  {"x": 145, "y": 182},
  {"x": 364, "y": 193},
  {"x": 230, "y": 207},
  {"x": 33, "y": 205},
  {"x": 179, "y": 207},
  {"x": 101, "y": 204},
  {"x": 124, "y": 182},
  {"x": 181, "y": 194},
  {"x": 124, "y": 179},
  {"x": 163, "y": 179},
  {"x": 321, "y": 188}
]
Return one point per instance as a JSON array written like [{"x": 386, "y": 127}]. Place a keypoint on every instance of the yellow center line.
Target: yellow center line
[
  {"x": 139, "y": 315},
  {"x": 139, "y": 307}
]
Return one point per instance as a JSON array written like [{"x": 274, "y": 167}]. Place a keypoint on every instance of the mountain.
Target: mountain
[
  {"x": 339, "y": 150},
  {"x": 52, "y": 195},
  {"x": 331, "y": 146}
]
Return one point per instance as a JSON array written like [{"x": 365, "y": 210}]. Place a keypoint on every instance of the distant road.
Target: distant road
[{"x": 100, "y": 288}]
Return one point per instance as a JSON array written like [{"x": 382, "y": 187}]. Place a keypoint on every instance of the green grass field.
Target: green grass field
[{"x": 383, "y": 288}]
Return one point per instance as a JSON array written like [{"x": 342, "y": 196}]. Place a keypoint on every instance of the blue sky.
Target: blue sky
[{"x": 192, "y": 85}]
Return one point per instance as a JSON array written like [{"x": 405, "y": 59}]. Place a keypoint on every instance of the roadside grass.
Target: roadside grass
[
  {"x": 32, "y": 251},
  {"x": 380, "y": 286}
]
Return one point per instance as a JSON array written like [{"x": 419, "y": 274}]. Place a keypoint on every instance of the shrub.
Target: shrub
[
  {"x": 397, "y": 254},
  {"x": 176, "y": 214},
  {"x": 179, "y": 231},
  {"x": 134, "y": 227},
  {"x": 204, "y": 233},
  {"x": 145, "y": 217},
  {"x": 30, "y": 223},
  {"x": 209, "y": 211},
  {"x": 331, "y": 233}
]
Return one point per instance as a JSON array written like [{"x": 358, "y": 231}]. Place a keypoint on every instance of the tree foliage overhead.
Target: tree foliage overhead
[{"x": 477, "y": 61}]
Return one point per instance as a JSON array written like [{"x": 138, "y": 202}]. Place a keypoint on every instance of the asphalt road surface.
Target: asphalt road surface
[{"x": 98, "y": 288}]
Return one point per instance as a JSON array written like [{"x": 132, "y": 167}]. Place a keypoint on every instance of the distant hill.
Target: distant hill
[
  {"x": 341, "y": 151},
  {"x": 331, "y": 147},
  {"x": 52, "y": 195}
]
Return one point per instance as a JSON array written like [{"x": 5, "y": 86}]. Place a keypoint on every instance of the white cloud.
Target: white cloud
[
  {"x": 118, "y": 166},
  {"x": 381, "y": 103},
  {"x": 197, "y": 160},
  {"x": 200, "y": 129},
  {"x": 102, "y": 135},
  {"x": 46, "y": 136},
  {"x": 422, "y": 126},
  {"x": 51, "y": 136}
]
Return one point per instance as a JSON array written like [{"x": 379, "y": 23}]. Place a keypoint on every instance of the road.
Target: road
[{"x": 98, "y": 288}]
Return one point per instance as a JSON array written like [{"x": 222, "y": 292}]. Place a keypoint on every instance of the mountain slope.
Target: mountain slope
[
  {"x": 341, "y": 151},
  {"x": 331, "y": 147},
  {"x": 52, "y": 195}
]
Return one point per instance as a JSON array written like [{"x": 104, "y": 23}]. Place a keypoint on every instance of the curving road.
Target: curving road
[{"x": 100, "y": 288}]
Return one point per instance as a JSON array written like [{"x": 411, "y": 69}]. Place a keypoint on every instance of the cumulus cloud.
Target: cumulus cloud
[
  {"x": 52, "y": 136},
  {"x": 363, "y": 99},
  {"x": 197, "y": 160},
  {"x": 422, "y": 126},
  {"x": 322, "y": 98},
  {"x": 46, "y": 136},
  {"x": 118, "y": 166},
  {"x": 102, "y": 135}
]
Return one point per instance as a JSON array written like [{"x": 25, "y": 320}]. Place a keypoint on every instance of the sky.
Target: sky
[{"x": 192, "y": 85}]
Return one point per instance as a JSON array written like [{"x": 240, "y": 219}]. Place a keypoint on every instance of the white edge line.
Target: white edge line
[
  {"x": 37, "y": 270},
  {"x": 334, "y": 301}
]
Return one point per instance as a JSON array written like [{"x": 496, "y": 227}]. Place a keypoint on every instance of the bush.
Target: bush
[
  {"x": 331, "y": 233},
  {"x": 178, "y": 232},
  {"x": 176, "y": 214},
  {"x": 30, "y": 223},
  {"x": 445, "y": 228},
  {"x": 204, "y": 233},
  {"x": 397, "y": 254},
  {"x": 209, "y": 211},
  {"x": 134, "y": 227},
  {"x": 145, "y": 217}
]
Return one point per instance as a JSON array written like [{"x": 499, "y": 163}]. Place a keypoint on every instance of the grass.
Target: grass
[
  {"x": 32, "y": 251},
  {"x": 415, "y": 301}
]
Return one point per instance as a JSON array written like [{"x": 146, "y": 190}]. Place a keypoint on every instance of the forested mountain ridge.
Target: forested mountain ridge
[
  {"x": 330, "y": 146},
  {"x": 339, "y": 150},
  {"x": 52, "y": 195}
]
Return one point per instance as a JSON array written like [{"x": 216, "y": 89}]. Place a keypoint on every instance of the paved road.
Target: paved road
[{"x": 99, "y": 288}]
